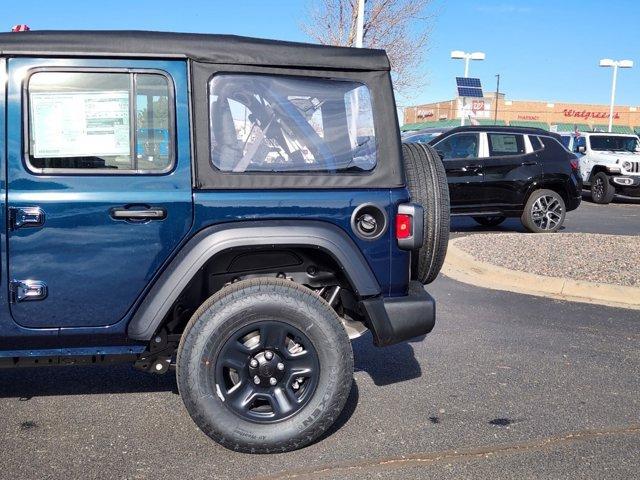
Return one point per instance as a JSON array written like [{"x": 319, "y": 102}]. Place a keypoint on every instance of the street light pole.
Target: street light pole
[
  {"x": 467, "y": 57},
  {"x": 495, "y": 116},
  {"x": 615, "y": 64},
  {"x": 613, "y": 96},
  {"x": 360, "y": 24},
  {"x": 355, "y": 100}
]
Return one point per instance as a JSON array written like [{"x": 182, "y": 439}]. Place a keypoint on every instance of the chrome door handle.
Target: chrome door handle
[
  {"x": 138, "y": 213},
  {"x": 32, "y": 217},
  {"x": 27, "y": 290}
]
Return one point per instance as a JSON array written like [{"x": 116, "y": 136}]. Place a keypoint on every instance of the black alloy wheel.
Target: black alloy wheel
[{"x": 269, "y": 370}]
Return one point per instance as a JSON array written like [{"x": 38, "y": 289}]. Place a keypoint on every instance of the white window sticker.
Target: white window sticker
[
  {"x": 504, "y": 143},
  {"x": 80, "y": 124}
]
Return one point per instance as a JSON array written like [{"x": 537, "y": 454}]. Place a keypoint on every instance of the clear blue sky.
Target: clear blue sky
[{"x": 543, "y": 49}]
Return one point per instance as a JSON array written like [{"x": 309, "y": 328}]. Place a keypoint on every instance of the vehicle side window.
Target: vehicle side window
[
  {"x": 274, "y": 123},
  {"x": 579, "y": 142},
  {"x": 554, "y": 145},
  {"x": 536, "y": 144},
  {"x": 460, "y": 145},
  {"x": 90, "y": 122},
  {"x": 502, "y": 144}
]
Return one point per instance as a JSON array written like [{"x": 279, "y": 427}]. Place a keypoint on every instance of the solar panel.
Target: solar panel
[
  {"x": 470, "y": 92},
  {"x": 468, "y": 82}
]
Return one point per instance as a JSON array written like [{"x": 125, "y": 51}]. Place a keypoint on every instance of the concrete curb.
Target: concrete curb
[{"x": 461, "y": 266}]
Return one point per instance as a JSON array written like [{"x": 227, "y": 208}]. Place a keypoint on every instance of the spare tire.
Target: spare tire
[{"x": 427, "y": 184}]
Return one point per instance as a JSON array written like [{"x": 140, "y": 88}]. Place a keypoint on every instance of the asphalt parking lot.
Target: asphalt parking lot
[{"x": 507, "y": 385}]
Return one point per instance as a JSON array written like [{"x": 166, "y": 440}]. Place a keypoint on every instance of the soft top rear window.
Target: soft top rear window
[{"x": 276, "y": 123}]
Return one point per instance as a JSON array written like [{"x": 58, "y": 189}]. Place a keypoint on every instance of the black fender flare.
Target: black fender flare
[{"x": 215, "y": 239}]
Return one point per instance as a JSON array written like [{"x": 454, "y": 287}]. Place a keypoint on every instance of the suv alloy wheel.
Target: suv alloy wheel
[
  {"x": 601, "y": 190},
  {"x": 544, "y": 212}
]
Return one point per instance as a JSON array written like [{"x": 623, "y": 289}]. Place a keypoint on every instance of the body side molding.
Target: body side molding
[{"x": 212, "y": 240}]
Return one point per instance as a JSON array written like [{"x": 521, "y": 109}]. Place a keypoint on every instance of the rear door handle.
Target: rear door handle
[
  {"x": 472, "y": 168},
  {"x": 530, "y": 162},
  {"x": 122, "y": 213}
]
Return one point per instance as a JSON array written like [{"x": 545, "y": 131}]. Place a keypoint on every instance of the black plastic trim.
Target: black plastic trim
[
  {"x": 396, "y": 319},
  {"x": 212, "y": 240}
]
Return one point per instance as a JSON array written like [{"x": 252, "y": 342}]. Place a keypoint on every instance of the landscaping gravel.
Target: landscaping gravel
[{"x": 596, "y": 258}]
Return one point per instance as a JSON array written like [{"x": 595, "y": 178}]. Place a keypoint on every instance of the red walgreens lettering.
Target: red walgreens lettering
[{"x": 586, "y": 114}]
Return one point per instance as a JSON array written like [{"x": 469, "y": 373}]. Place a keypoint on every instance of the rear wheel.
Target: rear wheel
[
  {"x": 427, "y": 184},
  {"x": 490, "y": 221},
  {"x": 265, "y": 365},
  {"x": 601, "y": 190},
  {"x": 544, "y": 212}
]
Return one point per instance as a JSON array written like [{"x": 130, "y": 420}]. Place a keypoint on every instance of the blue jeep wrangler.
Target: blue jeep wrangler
[{"x": 231, "y": 208}]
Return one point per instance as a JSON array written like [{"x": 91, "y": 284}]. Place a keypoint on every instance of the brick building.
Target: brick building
[{"x": 549, "y": 115}]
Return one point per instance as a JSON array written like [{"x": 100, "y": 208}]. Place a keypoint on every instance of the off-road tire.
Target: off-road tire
[
  {"x": 427, "y": 184},
  {"x": 527, "y": 218},
  {"x": 607, "y": 192},
  {"x": 492, "y": 221},
  {"x": 233, "y": 308}
]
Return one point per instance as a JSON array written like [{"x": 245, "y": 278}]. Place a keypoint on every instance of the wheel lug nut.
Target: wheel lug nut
[
  {"x": 273, "y": 381},
  {"x": 268, "y": 355},
  {"x": 256, "y": 380},
  {"x": 280, "y": 366},
  {"x": 253, "y": 363}
]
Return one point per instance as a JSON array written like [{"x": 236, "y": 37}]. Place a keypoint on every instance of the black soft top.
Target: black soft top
[{"x": 204, "y": 48}]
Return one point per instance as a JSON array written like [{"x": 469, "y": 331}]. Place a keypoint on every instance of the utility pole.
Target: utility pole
[{"x": 495, "y": 115}]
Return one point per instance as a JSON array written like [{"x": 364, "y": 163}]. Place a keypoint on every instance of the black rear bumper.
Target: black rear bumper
[{"x": 396, "y": 319}]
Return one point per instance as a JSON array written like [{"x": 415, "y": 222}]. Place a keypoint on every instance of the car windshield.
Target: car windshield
[{"x": 614, "y": 143}]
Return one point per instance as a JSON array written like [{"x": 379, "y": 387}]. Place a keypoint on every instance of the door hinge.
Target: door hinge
[
  {"x": 27, "y": 290},
  {"x": 26, "y": 217}
]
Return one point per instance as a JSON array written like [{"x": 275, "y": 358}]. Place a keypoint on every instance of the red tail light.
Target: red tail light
[
  {"x": 575, "y": 163},
  {"x": 403, "y": 226}
]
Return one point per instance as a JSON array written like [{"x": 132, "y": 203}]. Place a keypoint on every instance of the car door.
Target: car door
[
  {"x": 99, "y": 184},
  {"x": 460, "y": 156},
  {"x": 509, "y": 169}
]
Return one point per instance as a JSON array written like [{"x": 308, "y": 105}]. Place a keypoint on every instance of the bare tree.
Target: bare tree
[{"x": 401, "y": 27}]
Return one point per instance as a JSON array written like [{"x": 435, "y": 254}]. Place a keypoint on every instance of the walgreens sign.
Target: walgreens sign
[{"x": 586, "y": 114}]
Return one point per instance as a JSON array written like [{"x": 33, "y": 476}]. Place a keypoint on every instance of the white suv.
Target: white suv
[{"x": 609, "y": 163}]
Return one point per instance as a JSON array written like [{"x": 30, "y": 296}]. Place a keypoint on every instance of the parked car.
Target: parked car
[
  {"x": 497, "y": 172},
  {"x": 216, "y": 205},
  {"x": 609, "y": 164}
]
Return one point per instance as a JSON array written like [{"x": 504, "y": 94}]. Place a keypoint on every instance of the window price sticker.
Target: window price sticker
[{"x": 80, "y": 124}]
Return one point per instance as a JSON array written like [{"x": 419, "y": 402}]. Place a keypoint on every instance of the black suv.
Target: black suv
[
  {"x": 232, "y": 208},
  {"x": 496, "y": 172}
]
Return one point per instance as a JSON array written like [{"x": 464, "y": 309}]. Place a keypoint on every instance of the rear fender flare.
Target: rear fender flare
[{"x": 213, "y": 240}]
